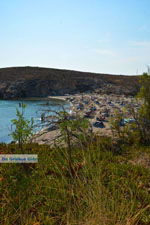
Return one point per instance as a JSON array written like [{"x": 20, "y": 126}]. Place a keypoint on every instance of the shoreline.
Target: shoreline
[
  {"x": 48, "y": 101},
  {"x": 105, "y": 106},
  {"x": 59, "y": 98},
  {"x": 49, "y": 135}
]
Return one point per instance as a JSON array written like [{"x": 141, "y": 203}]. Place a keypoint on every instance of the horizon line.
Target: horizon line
[{"x": 81, "y": 71}]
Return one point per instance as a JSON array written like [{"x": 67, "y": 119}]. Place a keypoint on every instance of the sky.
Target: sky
[{"x": 103, "y": 36}]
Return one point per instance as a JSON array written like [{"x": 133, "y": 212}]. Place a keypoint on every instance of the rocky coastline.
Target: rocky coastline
[
  {"x": 30, "y": 82},
  {"x": 34, "y": 83}
]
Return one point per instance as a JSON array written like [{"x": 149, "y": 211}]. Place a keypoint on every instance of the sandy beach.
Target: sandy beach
[{"x": 99, "y": 109}]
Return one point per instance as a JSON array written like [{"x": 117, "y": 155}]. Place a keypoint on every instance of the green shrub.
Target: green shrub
[{"x": 23, "y": 128}]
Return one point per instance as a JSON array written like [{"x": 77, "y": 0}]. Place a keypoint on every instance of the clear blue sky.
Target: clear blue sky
[{"x": 106, "y": 36}]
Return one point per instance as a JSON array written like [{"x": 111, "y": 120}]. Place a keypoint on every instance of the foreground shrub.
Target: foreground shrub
[{"x": 102, "y": 189}]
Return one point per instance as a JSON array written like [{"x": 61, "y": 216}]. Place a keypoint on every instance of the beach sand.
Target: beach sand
[{"x": 49, "y": 137}]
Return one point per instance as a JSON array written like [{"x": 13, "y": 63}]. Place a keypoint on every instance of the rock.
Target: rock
[{"x": 26, "y": 82}]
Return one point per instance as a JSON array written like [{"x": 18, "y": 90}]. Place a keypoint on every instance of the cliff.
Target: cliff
[{"x": 24, "y": 82}]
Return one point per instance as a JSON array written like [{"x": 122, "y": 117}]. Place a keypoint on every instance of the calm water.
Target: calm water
[{"x": 33, "y": 109}]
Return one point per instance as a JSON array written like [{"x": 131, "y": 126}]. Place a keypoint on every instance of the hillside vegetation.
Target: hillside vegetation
[
  {"x": 23, "y": 82},
  {"x": 104, "y": 187}
]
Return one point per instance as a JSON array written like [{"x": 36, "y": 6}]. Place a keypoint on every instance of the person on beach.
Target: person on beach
[{"x": 42, "y": 117}]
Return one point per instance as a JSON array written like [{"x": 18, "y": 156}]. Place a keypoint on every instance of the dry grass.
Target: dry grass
[{"x": 106, "y": 189}]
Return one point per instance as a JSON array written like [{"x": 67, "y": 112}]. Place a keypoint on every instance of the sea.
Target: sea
[{"x": 34, "y": 109}]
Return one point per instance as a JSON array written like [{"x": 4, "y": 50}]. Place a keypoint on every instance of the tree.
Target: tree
[
  {"x": 144, "y": 112},
  {"x": 75, "y": 130},
  {"x": 138, "y": 129},
  {"x": 23, "y": 127},
  {"x": 144, "y": 93}
]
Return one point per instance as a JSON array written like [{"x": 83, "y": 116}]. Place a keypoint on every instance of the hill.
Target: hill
[{"x": 24, "y": 82}]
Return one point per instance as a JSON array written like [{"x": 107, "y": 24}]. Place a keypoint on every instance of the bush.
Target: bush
[
  {"x": 23, "y": 128},
  {"x": 106, "y": 189}
]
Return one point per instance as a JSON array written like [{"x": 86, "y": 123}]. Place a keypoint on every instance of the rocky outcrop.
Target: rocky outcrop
[{"x": 24, "y": 82}]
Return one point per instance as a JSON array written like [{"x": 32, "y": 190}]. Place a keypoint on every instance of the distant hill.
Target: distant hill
[{"x": 24, "y": 82}]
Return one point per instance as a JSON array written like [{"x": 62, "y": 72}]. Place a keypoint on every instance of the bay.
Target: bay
[{"x": 34, "y": 109}]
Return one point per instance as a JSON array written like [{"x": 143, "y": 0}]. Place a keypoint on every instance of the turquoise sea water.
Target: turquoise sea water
[{"x": 34, "y": 109}]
